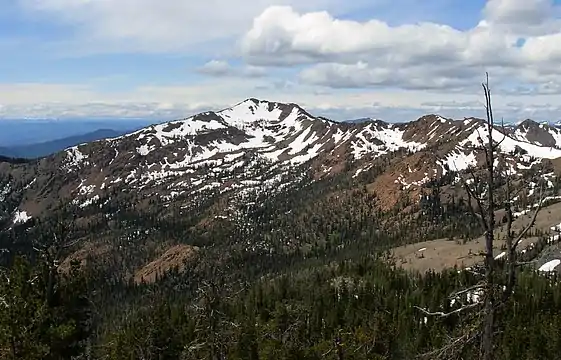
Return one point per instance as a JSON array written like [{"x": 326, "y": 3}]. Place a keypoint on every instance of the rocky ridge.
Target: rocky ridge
[{"x": 256, "y": 145}]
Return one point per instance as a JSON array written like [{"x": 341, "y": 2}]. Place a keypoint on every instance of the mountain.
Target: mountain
[
  {"x": 50, "y": 147},
  {"x": 235, "y": 167},
  {"x": 285, "y": 224},
  {"x": 542, "y": 134},
  {"x": 255, "y": 143},
  {"x": 251, "y": 145},
  {"x": 18, "y": 132},
  {"x": 13, "y": 160}
]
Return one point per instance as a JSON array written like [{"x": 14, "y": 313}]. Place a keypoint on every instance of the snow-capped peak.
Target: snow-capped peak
[{"x": 253, "y": 111}]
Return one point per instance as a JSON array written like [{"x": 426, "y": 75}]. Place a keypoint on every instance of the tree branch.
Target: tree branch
[
  {"x": 457, "y": 311},
  {"x": 472, "y": 196},
  {"x": 461, "y": 292},
  {"x": 478, "y": 201},
  {"x": 496, "y": 146},
  {"x": 444, "y": 352},
  {"x": 532, "y": 222}
]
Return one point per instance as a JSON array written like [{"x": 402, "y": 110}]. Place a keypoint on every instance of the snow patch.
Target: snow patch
[
  {"x": 500, "y": 256},
  {"x": 21, "y": 217},
  {"x": 74, "y": 158},
  {"x": 550, "y": 265},
  {"x": 144, "y": 150}
]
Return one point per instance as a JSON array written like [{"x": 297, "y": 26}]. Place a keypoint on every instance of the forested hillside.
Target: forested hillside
[
  {"x": 333, "y": 292},
  {"x": 351, "y": 309}
]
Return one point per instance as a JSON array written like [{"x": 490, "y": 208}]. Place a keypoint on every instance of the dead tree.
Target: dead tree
[
  {"x": 483, "y": 200},
  {"x": 513, "y": 240},
  {"x": 337, "y": 346},
  {"x": 487, "y": 218},
  {"x": 215, "y": 331},
  {"x": 55, "y": 240}
]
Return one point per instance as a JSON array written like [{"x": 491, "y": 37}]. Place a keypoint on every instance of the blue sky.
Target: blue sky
[{"x": 393, "y": 59}]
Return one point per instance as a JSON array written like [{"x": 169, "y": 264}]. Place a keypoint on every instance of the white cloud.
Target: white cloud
[
  {"x": 524, "y": 17},
  {"x": 362, "y": 74},
  {"x": 345, "y": 53},
  {"x": 156, "y": 26},
  {"x": 280, "y": 34},
  {"x": 216, "y": 67},
  {"x": 223, "y": 68},
  {"x": 407, "y": 69}
]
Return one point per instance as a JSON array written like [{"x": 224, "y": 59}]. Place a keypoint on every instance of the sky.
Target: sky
[{"x": 389, "y": 59}]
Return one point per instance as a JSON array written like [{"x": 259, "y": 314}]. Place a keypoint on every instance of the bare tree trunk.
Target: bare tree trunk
[
  {"x": 339, "y": 347},
  {"x": 511, "y": 255},
  {"x": 489, "y": 318},
  {"x": 487, "y": 338}
]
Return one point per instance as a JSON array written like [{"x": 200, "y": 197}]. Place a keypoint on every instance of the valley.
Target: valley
[
  {"x": 241, "y": 200},
  {"x": 227, "y": 169}
]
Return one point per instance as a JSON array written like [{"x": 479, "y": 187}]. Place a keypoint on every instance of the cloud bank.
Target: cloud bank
[{"x": 315, "y": 54}]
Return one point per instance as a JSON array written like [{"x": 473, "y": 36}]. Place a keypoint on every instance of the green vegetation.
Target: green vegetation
[
  {"x": 359, "y": 309},
  {"x": 301, "y": 275}
]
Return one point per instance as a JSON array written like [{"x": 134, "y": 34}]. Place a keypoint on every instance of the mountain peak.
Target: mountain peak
[
  {"x": 431, "y": 118},
  {"x": 238, "y": 149},
  {"x": 253, "y": 110},
  {"x": 527, "y": 123},
  {"x": 541, "y": 134},
  {"x": 263, "y": 102},
  {"x": 257, "y": 101}
]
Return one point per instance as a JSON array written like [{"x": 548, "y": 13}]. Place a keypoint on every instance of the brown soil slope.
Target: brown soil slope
[
  {"x": 444, "y": 253},
  {"x": 175, "y": 256}
]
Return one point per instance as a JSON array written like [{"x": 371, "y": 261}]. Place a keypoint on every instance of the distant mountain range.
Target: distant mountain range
[
  {"x": 359, "y": 121},
  {"x": 50, "y": 147},
  {"x": 19, "y": 132}
]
